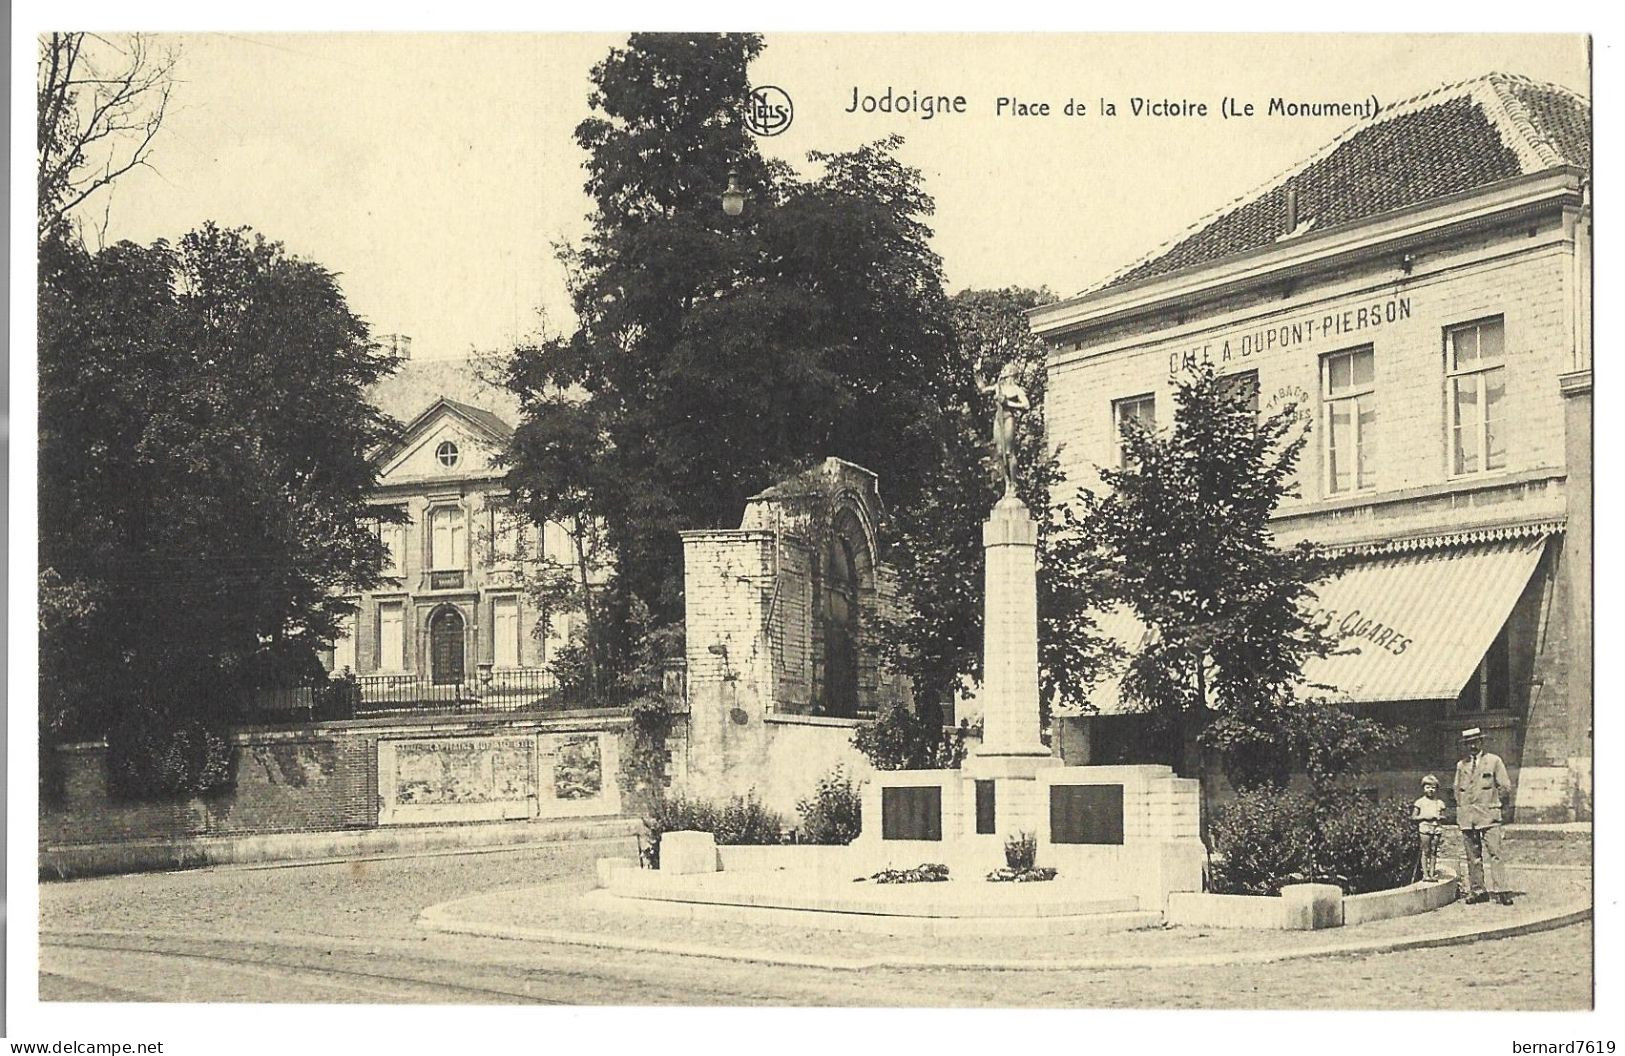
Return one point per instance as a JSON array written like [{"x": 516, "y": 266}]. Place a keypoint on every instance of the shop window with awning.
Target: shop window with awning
[{"x": 1411, "y": 625}]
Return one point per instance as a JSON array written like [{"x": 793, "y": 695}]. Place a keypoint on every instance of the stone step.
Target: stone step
[{"x": 967, "y": 899}]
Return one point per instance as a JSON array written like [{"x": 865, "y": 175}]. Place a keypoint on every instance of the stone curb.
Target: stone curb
[
  {"x": 439, "y": 918},
  {"x": 428, "y": 852},
  {"x": 281, "y": 850}
]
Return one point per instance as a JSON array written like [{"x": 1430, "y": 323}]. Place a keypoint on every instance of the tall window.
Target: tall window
[
  {"x": 393, "y": 536},
  {"x": 448, "y": 539},
  {"x": 1475, "y": 359},
  {"x": 557, "y": 545},
  {"x": 1241, "y": 386},
  {"x": 510, "y": 537},
  {"x": 559, "y": 629},
  {"x": 1142, "y": 409},
  {"x": 344, "y": 645},
  {"x": 392, "y": 636},
  {"x": 1349, "y": 409},
  {"x": 505, "y": 631}
]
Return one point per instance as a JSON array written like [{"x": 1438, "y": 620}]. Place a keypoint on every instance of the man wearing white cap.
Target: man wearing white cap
[{"x": 1482, "y": 787}]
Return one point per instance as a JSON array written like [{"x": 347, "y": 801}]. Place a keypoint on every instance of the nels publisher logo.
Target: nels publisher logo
[{"x": 768, "y": 110}]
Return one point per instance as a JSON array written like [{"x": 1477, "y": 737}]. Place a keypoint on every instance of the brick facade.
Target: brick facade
[{"x": 1517, "y": 253}]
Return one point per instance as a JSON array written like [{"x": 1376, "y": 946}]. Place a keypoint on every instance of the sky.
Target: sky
[{"x": 436, "y": 173}]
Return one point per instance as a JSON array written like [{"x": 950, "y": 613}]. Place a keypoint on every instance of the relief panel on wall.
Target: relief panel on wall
[
  {"x": 457, "y": 779},
  {"x": 578, "y": 774},
  {"x": 578, "y": 768},
  {"x": 462, "y": 778}
]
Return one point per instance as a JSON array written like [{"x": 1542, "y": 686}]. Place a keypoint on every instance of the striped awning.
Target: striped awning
[
  {"x": 1412, "y": 626},
  {"x": 1415, "y": 626}
]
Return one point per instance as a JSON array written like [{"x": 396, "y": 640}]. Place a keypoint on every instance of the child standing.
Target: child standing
[{"x": 1428, "y": 813}]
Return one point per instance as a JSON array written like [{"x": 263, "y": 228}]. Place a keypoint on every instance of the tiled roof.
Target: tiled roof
[
  {"x": 1452, "y": 139},
  {"x": 483, "y": 417},
  {"x": 417, "y": 384}
]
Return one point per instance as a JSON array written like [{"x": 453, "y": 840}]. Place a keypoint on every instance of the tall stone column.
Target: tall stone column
[{"x": 1010, "y": 731}]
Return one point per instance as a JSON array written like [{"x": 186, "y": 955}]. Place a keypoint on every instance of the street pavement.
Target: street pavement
[{"x": 347, "y": 933}]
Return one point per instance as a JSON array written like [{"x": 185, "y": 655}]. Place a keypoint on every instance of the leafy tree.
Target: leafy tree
[
  {"x": 1184, "y": 531},
  {"x": 903, "y": 738},
  {"x": 715, "y": 355},
  {"x": 938, "y": 552},
  {"x": 204, "y": 471}
]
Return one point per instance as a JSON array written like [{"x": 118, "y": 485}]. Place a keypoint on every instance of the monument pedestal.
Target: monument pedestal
[
  {"x": 1124, "y": 831},
  {"x": 1011, "y": 748}
]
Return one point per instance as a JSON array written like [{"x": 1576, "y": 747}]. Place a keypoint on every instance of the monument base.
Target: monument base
[
  {"x": 1014, "y": 765},
  {"x": 1123, "y": 829}
]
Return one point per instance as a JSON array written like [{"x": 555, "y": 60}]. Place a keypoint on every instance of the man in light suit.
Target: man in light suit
[{"x": 1482, "y": 788}]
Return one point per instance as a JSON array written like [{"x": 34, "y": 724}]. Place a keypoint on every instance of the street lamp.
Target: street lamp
[{"x": 733, "y": 199}]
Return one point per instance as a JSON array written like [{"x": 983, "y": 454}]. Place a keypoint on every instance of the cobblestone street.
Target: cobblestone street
[{"x": 346, "y": 932}]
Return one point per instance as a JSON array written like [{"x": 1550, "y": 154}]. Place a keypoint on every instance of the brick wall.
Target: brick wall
[
  {"x": 755, "y": 600},
  {"x": 295, "y": 782},
  {"x": 728, "y": 590},
  {"x": 319, "y": 779}
]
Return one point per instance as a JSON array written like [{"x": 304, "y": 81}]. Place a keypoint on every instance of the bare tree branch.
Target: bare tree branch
[{"x": 101, "y": 103}]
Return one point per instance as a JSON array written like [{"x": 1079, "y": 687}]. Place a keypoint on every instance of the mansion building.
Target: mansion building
[
  {"x": 1419, "y": 293},
  {"x": 452, "y": 621}
]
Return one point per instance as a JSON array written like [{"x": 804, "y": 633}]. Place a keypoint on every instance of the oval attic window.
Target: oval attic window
[{"x": 447, "y": 453}]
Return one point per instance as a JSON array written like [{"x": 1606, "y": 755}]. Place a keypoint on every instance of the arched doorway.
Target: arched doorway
[
  {"x": 841, "y": 630},
  {"x": 446, "y": 647}
]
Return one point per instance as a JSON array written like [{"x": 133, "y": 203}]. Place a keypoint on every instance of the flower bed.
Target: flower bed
[
  {"x": 1021, "y": 876},
  {"x": 926, "y": 873}
]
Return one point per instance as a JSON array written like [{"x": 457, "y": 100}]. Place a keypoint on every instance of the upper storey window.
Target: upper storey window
[
  {"x": 1142, "y": 409},
  {"x": 1476, "y": 388},
  {"x": 448, "y": 539},
  {"x": 1242, "y": 388},
  {"x": 393, "y": 536},
  {"x": 1349, "y": 417}
]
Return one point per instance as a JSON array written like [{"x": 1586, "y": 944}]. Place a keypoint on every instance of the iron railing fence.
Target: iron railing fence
[{"x": 376, "y": 696}]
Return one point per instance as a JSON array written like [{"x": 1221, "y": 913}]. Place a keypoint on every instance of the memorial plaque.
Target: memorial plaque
[
  {"x": 911, "y": 813},
  {"x": 1086, "y": 814},
  {"x": 986, "y": 813}
]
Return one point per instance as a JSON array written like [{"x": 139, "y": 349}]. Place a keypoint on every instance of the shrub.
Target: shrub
[
  {"x": 338, "y": 696},
  {"x": 1267, "y": 839},
  {"x": 1263, "y": 745},
  {"x": 1372, "y": 845},
  {"x": 1263, "y": 838},
  {"x": 1021, "y": 851},
  {"x": 834, "y": 812},
  {"x": 741, "y": 820},
  {"x": 152, "y": 754}
]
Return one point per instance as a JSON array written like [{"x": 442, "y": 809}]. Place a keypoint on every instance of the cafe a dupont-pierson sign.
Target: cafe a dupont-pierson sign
[{"x": 1310, "y": 329}]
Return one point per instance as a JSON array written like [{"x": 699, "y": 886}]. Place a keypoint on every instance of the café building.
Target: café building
[{"x": 1418, "y": 292}]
